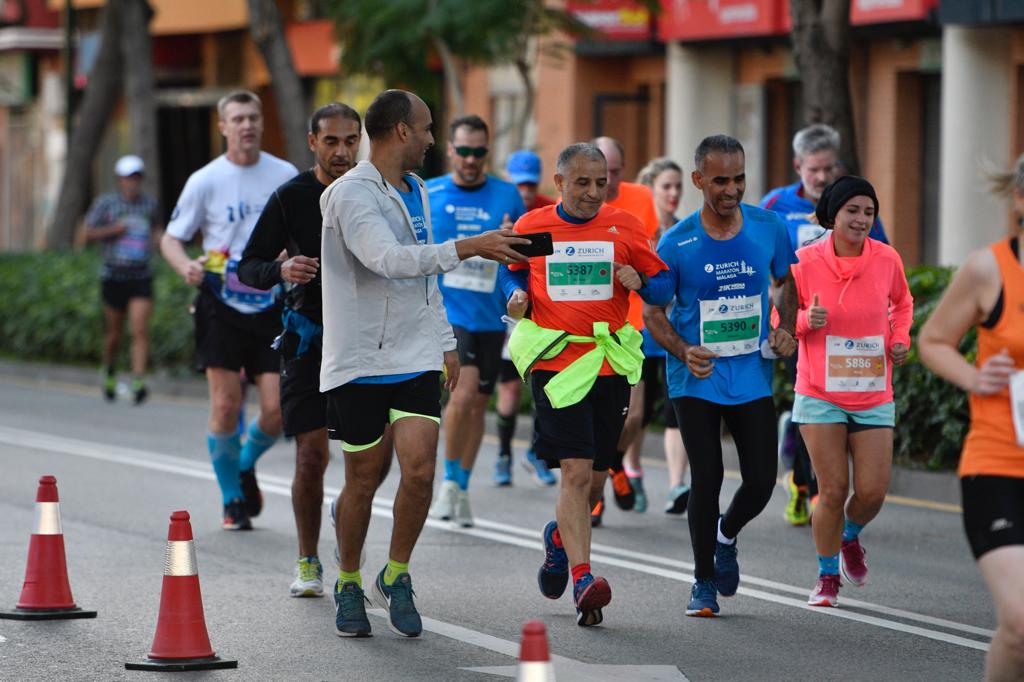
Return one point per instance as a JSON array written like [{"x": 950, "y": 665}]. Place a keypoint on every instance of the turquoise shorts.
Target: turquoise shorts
[{"x": 808, "y": 410}]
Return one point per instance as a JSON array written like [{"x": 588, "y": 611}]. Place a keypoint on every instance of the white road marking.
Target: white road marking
[{"x": 503, "y": 533}]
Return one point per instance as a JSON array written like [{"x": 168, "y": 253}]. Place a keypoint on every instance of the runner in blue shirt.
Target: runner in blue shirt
[
  {"x": 816, "y": 160},
  {"x": 464, "y": 204},
  {"x": 723, "y": 259}
]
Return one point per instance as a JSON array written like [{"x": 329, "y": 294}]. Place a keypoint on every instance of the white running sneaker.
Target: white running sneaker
[
  {"x": 463, "y": 514},
  {"x": 337, "y": 551},
  {"x": 309, "y": 578},
  {"x": 444, "y": 503}
]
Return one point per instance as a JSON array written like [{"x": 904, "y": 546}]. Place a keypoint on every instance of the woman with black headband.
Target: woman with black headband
[{"x": 853, "y": 323}]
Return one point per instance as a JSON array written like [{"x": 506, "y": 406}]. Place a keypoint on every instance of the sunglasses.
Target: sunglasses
[{"x": 478, "y": 152}]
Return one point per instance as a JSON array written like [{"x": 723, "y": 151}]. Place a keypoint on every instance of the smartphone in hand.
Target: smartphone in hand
[{"x": 540, "y": 245}]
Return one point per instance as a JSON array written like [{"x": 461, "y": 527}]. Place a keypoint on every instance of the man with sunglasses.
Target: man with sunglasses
[{"x": 465, "y": 203}]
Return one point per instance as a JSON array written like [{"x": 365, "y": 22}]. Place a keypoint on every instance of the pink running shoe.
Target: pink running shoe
[
  {"x": 826, "y": 591},
  {"x": 851, "y": 558}
]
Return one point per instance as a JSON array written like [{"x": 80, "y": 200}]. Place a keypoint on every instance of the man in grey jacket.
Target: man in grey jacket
[{"x": 386, "y": 338}]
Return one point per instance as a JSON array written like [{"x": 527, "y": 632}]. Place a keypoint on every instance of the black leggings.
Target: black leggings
[{"x": 753, "y": 430}]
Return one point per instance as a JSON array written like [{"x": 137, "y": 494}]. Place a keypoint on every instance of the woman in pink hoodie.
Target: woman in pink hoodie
[{"x": 853, "y": 324}]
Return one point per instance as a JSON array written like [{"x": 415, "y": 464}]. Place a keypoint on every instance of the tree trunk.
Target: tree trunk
[
  {"x": 97, "y": 106},
  {"x": 137, "y": 52},
  {"x": 268, "y": 33},
  {"x": 821, "y": 49},
  {"x": 518, "y": 140},
  {"x": 452, "y": 82}
]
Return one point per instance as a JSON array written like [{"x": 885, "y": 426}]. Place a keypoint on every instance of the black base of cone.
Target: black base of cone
[
  {"x": 182, "y": 664},
  {"x": 46, "y": 614}
]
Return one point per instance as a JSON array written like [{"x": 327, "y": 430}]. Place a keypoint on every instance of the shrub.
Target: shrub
[{"x": 51, "y": 310}]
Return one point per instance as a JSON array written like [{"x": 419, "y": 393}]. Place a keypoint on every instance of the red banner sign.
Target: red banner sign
[
  {"x": 711, "y": 19},
  {"x": 882, "y": 11},
  {"x": 615, "y": 19}
]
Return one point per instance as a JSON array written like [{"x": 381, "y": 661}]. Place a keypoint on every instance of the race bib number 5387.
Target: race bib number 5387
[{"x": 580, "y": 271}]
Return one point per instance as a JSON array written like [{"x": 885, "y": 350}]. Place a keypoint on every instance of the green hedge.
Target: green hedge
[
  {"x": 931, "y": 414},
  {"x": 51, "y": 312}
]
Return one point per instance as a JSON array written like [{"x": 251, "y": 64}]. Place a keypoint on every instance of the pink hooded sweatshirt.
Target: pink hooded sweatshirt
[{"x": 870, "y": 310}]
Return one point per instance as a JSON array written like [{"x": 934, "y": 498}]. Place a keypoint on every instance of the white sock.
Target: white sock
[{"x": 721, "y": 536}]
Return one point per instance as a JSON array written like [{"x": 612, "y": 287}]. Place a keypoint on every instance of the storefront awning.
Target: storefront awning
[
  {"x": 314, "y": 47},
  {"x": 720, "y": 19}
]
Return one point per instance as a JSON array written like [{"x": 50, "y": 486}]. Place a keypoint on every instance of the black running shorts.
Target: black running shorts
[
  {"x": 590, "y": 429},
  {"x": 483, "y": 351},
  {"x": 117, "y": 293},
  {"x": 508, "y": 372},
  {"x": 993, "y": 512},
  {"x": 358, "y": 413},
  {"x": 303, "y": 406},
  {"x": 228, "y": 339}
]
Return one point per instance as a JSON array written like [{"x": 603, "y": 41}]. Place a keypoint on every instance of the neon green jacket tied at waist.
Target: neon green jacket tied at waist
[{"x": 530, "y": 343}]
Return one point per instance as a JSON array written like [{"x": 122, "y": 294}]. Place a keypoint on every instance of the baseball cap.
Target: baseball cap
[
  {"x": 128, "y": 165},
  {"x": 523, "y": 166}
]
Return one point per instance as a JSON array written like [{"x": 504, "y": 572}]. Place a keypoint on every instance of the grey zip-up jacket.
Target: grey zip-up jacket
[{"x": 383, "y": 312}]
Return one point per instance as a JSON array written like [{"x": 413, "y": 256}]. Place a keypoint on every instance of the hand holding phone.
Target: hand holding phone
[{"x": 540, "y": 245}]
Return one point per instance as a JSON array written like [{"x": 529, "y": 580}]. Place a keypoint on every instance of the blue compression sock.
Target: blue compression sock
[
  {"x": 255, "y": 445},
  {"x": 851, "y": 530},
  {"x": 462, "y": 478},
  {"x": 451, "y": 470},
  {"x": 828, "y": 565},
  {"x": 225, "y": 451}
]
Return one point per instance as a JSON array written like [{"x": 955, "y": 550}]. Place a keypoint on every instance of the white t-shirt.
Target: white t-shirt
[{"x": 224, "y": 200}]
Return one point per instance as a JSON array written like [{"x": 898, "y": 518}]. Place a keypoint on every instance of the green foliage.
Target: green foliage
[
  {"x": 931, "y": 414},
  {"x": 51, "y": 310}
]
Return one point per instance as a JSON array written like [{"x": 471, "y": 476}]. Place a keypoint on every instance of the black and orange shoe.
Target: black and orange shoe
[
  {"x": 625, "y": 496},
  {"x": 596, "y": 513},
  {"x": 235, "y": 516}
]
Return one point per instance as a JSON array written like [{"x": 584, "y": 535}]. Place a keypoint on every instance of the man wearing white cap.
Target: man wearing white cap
[{"x": 125, "y": 222}]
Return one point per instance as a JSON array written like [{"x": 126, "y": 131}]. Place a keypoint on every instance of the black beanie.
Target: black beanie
[{"x": 838, "y": 193}]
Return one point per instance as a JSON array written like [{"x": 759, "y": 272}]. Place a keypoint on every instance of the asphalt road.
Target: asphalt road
[{"x": 925, "y": 614}]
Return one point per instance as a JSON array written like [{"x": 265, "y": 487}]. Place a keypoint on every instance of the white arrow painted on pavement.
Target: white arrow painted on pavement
[{"x": 570, "y": 671}]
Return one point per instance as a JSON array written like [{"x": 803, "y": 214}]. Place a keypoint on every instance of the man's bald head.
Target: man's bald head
[
  {"x": 613, "y": 153},
  {"x": 397, "y": 118}
]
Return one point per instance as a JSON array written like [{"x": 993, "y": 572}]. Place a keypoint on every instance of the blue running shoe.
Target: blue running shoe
[
  {"x": 350, "y": 607},
  {"x": 553, "y": 576},
  {"x": 503, "y": 471},
  {"x": 727, "y": 569},
  {"x": 396, "y": 599},
  {"x": 703, "y": 599},
  {"x": 538, "y": 468},
  {"x": 591, "y": 595}
]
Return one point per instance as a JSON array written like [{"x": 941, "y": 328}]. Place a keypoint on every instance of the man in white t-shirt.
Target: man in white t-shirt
[{"x": 235, "y": 325}]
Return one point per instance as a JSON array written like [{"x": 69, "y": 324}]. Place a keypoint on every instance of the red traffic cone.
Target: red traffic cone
[
  {"x": 46, "y": 594},
  {"x": 534, "y": 659},
  {"x": 181, "y": 641}
]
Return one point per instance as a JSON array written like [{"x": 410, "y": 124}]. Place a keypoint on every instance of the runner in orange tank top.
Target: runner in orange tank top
[{"x": 988, "y": 291}]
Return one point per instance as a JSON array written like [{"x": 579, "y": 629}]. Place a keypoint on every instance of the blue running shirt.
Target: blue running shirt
[
  {"x": 472, "y": 298},
  {"x": 794, "y": 208},
  {"x": 722, "y": 296},
  {"x": 414, "y": 204}
]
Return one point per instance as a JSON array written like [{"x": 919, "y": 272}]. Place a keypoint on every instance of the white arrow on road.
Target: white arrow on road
[{"x": 571, "y": 671}]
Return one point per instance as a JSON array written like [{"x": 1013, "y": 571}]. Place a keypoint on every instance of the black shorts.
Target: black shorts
[
  {"x": 483, "y": 351},
  {"x": 993, "y": 512},
  {"x": 655, "y": 389},
  {"x": 303, "y": 406},
  {"x": 116, "y": 293},
  {"x": 508, "y": 372},
  {"x": 228, "y": 339},
  {"x": 590, "y": 429},
  {"x": 358, "y": 413}
]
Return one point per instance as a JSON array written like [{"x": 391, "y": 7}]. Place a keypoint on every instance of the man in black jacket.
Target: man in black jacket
[{"x": 292, "y": 221}]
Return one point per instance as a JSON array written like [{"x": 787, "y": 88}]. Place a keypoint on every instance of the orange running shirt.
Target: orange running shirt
[
  {"x": 638, "y": 200},
  {"x": 576, "y": 286},
  {"x": 991, "y": 447}
]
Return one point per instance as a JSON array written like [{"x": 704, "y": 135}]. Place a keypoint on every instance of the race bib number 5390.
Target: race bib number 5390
[{"x": 580, "y": 271}]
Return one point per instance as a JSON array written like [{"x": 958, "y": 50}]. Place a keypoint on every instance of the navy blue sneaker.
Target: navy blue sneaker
[
  {"x": 727, "y": 569},
  {"x": 350, "y": 608},
  {"x": 396, "y": 599},
  {"x": 591, "y": 595},
  {"x": 553, "y": 576},
  {"x": 503, "y": 471},
  {"x": 703, "y": 599}
]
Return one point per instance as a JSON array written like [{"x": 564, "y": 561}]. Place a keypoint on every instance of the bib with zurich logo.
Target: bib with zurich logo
[
  {"x": 855, "y": 364},
  {"x": 731, "y": 326},
  {"x": 580, "y": 271}
]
